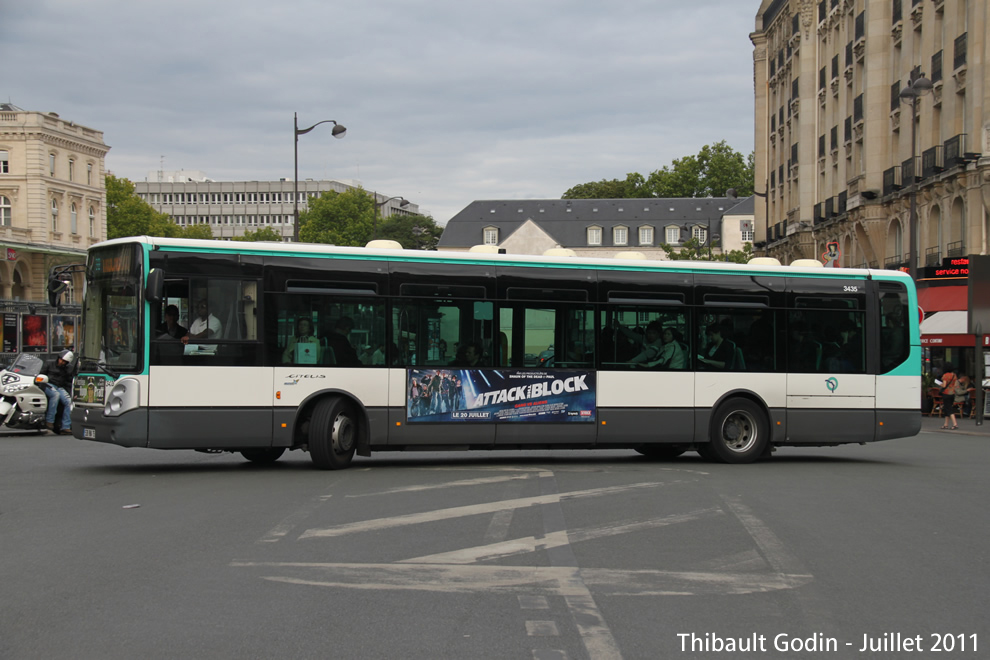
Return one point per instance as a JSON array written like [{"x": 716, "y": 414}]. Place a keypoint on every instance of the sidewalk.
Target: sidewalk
[{"x": 966, "y": 425}]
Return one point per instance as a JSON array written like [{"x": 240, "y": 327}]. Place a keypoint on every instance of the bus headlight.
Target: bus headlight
[{"x": 122, "y": 398}]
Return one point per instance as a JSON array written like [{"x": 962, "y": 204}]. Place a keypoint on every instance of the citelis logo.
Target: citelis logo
[{"x": 832, "y": 384}]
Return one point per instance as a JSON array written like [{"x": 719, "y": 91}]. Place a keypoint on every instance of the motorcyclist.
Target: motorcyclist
[{"x": 60, "y": 372}]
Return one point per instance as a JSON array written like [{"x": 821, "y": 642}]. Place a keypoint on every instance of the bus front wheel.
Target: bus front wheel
[
  {"x": 332, "y": 434},
  {"x": 738, "y": 433}
]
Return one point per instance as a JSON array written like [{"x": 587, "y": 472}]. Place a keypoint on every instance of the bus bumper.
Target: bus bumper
[{"x": 127, "y": 430}]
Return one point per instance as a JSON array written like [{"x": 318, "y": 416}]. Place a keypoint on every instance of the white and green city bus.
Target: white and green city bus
[{"x": 338, "y": 351}]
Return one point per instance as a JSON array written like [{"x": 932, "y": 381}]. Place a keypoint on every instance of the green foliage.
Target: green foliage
[
  {"x": 414, "y": 232},
  {"x": 263, "y": 234},
  {"x": 129, "y": 215},
  {"x": 633, "y": 186},
  {"x": 709, "y": 173},
  {"x": 345, "y": 218},
  {"x": 693, "y": 250}
]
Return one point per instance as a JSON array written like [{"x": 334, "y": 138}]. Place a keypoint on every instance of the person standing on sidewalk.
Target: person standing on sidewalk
[
  {"x": 60, "y": 372},
  {"x": 948, "y": 385}
]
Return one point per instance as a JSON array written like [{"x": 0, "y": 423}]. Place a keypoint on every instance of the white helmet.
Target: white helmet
[{"x": 68, "y": 356}]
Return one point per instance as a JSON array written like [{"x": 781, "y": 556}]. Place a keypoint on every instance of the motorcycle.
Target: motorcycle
[{"x": 23, "y": 402}]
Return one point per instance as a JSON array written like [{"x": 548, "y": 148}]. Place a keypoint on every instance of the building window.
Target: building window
[
  {"x": 5, "y": 211},
  {"x": 673, "y": 234},
  {"x": 54, "y": 215},
  {"x": 92, "y": 221},
  {"x": 747, "y": 236},
  {"x": 594, "y": 235},
  {"x": 72, "y": 168},
  {"x": 620, "y": 236},
  {"x": 646, "y": 235},
  {"x": 700, "y": 234},
  {"x": 73, "y": 219},
  {"x": 89, "y": 174},
  {"x": 51, "y": 164},
  {"x": 490, "y": 236},
  {"x": 4, "y": 163}
]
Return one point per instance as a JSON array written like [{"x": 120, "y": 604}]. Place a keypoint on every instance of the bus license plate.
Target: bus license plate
[{"x": 89, "y": 433}]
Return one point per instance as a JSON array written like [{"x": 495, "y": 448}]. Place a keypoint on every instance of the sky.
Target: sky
[{"x": 445, "y": 102}]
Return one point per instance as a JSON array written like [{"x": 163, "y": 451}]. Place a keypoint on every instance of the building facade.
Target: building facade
[
  {"x": 231, "y": 208},
  {"x": 600, "y": 227},
  {"x": 52, "y": 200},
  {"x": 865, "y": 110},
  {"x": 833, "y": 137}
]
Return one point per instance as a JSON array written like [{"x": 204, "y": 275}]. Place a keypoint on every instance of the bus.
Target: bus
[{"x": 259, "y": 348}]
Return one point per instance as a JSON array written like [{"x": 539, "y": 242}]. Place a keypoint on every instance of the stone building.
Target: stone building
[
  {"x": 52, "y": 200},
  {"x": 231, "y": 208},
  {"x": 833, "y": 138}
]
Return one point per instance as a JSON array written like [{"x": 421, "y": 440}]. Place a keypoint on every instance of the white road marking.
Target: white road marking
[
  {"x": 462, "y": 511},
  {"x": 553, "y": 540},
  {"x": 286, "y": 525},
  {"x": 540, "y": 580},
  {"x": 527, "y": 602},
  {"x": 542, "y": 629},
  {"x": 771, "y": 547},
  {"x": 450, "y": 484}
]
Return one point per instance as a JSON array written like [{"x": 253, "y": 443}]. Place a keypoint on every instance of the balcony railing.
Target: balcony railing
[
  {"x": 937, "y": 67},
  {"x": 894, "y": 263},
  {"x": 955, "y": 147},
  {"x": 959, "y": 51},
  {"x": 931, "y": 162},
  {"x": 907, "y": 172},
  {"x": 830, "y": 208},
  {"x": 891, "y": 180},
  {"x": 933, "y": 257},
  {"x": 955, "y": 250}
]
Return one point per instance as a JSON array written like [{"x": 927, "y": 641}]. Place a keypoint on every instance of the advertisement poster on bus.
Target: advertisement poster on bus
[
  {"x": 500, "y": 395},
  {"x": 34, "y": 333},
  {"x": 9, "y": 333}
]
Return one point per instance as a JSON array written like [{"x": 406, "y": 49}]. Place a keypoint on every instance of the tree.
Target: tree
[
  {"x": 345, "y": 218},
  {"x": 709, "y": 173},
  {"x": 633, "y": 186},
  {"x": 129, "y": 215},
  {"x": 263, "y": 234},
  {"x": 413, "y": 232},
  {"x": 693, "y": 250}
]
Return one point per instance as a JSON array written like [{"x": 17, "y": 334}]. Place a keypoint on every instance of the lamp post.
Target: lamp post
[
  {"x": 337, "y": 131},
  {"x": 403, "y": 203},
  {"x": 917, "y": 85}
]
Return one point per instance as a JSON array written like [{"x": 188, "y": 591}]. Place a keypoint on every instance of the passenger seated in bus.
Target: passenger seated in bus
[
  {"x": 468, "y": 355},
  {"x": 303, "y": 347},
  {"x": 171, "y": 329},
  {"x": 206, "y": 326},
  {"x": 805, "y": 351},
  {"x": 719, "y": 353},
  {"x": 651, "y": 348},
  {"x": 339, "y": 342}
]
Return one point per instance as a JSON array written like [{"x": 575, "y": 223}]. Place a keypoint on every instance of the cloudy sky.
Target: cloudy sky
[{"x": 445, "y": 101}]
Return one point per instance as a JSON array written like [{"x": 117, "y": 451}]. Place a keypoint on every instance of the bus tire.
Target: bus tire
[
  {"x": 332, "y": 434},
  {"x": 661, "y": 452},
  {"x": 738, "y": 433},
  {"x": 265, "y": 456}
]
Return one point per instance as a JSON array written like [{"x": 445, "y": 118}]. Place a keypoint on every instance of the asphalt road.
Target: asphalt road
[{"x": 125, "y": 553}]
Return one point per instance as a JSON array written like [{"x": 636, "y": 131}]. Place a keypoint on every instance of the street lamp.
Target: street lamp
[
  {"x": 917, "y": 85},
  {"x": 403, "y": 203},
  {"x": 337, "y": 131}
]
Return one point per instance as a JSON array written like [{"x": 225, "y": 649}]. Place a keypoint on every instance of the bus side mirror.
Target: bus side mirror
[
  {"x": 56, "y": 288},
  {"x": 154, "y": 290}
]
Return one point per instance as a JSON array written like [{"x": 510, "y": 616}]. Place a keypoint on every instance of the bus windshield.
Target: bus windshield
[{"x": 111, "y": 310}]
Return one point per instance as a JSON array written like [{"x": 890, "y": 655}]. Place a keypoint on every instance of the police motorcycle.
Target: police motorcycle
[{"x": 23, "y": 402}]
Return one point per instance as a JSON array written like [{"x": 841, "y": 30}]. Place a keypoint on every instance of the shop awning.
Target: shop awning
[
  {"x": 943, "y": 298},
  {"x": 946, "y": 329}
]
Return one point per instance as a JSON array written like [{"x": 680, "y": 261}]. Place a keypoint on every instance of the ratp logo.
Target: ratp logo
[{"x": 832, "y": 384}]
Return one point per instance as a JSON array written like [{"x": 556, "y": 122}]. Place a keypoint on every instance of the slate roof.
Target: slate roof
[{"x": 566, "y": 220}]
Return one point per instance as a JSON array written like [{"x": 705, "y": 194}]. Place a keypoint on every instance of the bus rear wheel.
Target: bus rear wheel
[
  {"x": 264, "y": 456},
  {"x": 332, "y": 434},
  {"x": 739, "y": 433}
]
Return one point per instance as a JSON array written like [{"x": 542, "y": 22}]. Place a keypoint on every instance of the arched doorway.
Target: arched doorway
[
  {"x": 931, "y": 250},
  {"x": 19, "y": 283}
]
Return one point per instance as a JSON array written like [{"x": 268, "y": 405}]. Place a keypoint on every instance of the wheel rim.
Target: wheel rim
[
  {"x": 739, "y": 431},
  {"x": 342, "y": 435}
]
